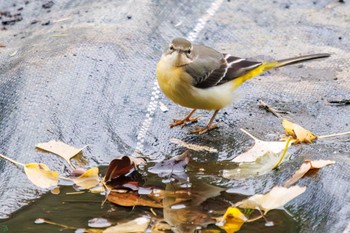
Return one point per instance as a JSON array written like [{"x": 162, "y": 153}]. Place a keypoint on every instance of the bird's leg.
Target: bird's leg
[
  {"x": 208, "y": 127},
  {"x": 184, "y": 121}
]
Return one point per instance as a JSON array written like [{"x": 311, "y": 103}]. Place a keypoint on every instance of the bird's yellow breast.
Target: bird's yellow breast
[{"x": 177, "y": 85}]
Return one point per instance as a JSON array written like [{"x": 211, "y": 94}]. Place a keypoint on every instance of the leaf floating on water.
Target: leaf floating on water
[
  {"x": 40, "y": 175},
  {"x": 305, "y": 167},
  {"x": 297, "y": 132},
  {"x": 56, "y": 191},
  {"x": 276, "y": 198},
  {"x": 99, "y": 223},
  {"x": 232, "y": 220},
  {"x": 172, "y": 168},
  {"x": 259, "y": 167},
  {"x": 134, "y": 226},
  {"x": 61, "y": 149},
  {"x": 193, "y": 146},
  {"x": 89, "y": 179},
  {"x": 259, "y": 149}
]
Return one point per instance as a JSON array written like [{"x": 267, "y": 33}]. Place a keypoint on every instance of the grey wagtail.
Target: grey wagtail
[{"x": 199, "y": 77}]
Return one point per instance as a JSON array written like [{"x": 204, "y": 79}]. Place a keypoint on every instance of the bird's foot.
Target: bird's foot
[
  {"x": 204, "y": 129},
  {"x": 184, "y": 122}
]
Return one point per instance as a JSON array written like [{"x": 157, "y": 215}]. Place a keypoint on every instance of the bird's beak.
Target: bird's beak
[{"x": 182, "y": 59}]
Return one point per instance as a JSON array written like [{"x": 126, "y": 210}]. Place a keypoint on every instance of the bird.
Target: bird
[{"x": 199, "y": 77}]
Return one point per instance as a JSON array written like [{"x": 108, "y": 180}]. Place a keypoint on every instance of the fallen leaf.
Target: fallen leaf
[
  {"x": 56, "y": 191},
  {"x": 133, "y": 199},
  {"x": 232, "y": 220},
  {"x": 40, "y": 175},
  {"x": 88, "y": 179},
  {"x": 276, "y": 198},
  {"x": 172, "y": 168},
  {"x": 99, "y": 223},
  {"x": 305, "y": 167},
  {"x": 61, "y": 149},
  {"x": 259, "y": 149},
  {"x": 118, "y": 167},
  {"x": 135, "y": 226},
  {"x": 2, "y": 45},
  {"x": 261, "y": 166},
  {"x": 193, "y": 146},
  {"x": 122, "y": 173},
  {"x": 297, "y": 132}
]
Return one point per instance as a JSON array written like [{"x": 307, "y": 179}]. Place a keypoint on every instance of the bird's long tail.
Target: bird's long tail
[
  {"x": 294, "y": 60},
  {"x": 275, "y": 64}
]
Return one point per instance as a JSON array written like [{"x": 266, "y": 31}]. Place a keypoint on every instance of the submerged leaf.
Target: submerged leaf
[
  {"x": 135, "y": 226},
  {"x": 133, "y": 199},
  {"x": 61, "y": 149},
  {"x": 261, "y": 166},
  {"x": 40, "y": 175},
  {"x": 305, "y": 167},
  {"x": 174, "y": 167},
  {"x": 88, "y": 179},
  {"x": 297, "y": 132},
  {"x": 276, "y": 198},
  {"x": 232, "y": 220},
  {"x": 259, "y": 149}
]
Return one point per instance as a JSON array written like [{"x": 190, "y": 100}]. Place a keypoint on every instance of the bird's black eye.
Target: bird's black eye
[
  {"x": 171, "y": 48},
  {"x": 188, "y": 51}
]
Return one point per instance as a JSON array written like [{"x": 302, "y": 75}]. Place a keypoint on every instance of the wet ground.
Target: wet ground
[{"x": 84, "y": 73}]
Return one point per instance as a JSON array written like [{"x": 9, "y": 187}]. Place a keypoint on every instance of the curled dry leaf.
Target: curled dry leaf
[
  {"x": 60, "y": 148},
  {"x": 40, "y": 175},
  {"x": 232, "y": 220},
  {"x": 297, "y": 132},
  {"x": 193, "y": 146},
  {"x": 88, "y": 179},
  {"x": 259, "y": 149},
  {"x": 305, "y": 167},
  {"x": 276, "y": 198},
  {"x": 135, "y": 226}
]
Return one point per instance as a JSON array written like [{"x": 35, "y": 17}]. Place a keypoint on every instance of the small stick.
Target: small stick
[{"x": 268, "y": 108}]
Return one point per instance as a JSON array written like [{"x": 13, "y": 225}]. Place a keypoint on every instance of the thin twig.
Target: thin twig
[
  {"x": 333, "y": 135},
  {"x": 268, "y": 108},
  {"x": 11, "y": 160}
]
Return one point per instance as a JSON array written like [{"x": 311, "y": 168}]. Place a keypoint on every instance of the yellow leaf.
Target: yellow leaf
[
  {"x": 88, "y": 179},
  {"x": 232, "y": 220},
  {"x": 305, "y": 167},
  {"x": 60, "y": 148},
  {"x": 276, "y": 198},
  {"x": 297, "y": 132},
  {"x": 137, "y": 225},
  {"x": 40, "y": 175}
]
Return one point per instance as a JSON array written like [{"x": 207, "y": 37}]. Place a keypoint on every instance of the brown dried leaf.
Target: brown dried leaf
[
  {"x": 305, "y": 167},
  {"x": 133, "y": 199},
  {"x": 40, "y": 175},
  {"x": 61, "y": 149},
  {"x": 297, "y": 132}
]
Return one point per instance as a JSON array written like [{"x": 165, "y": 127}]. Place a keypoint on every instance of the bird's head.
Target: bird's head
[{"x": 180, "y": 52}]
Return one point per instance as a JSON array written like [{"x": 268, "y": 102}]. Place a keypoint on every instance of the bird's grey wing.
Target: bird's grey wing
[{"x": 211, "y": 70}]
